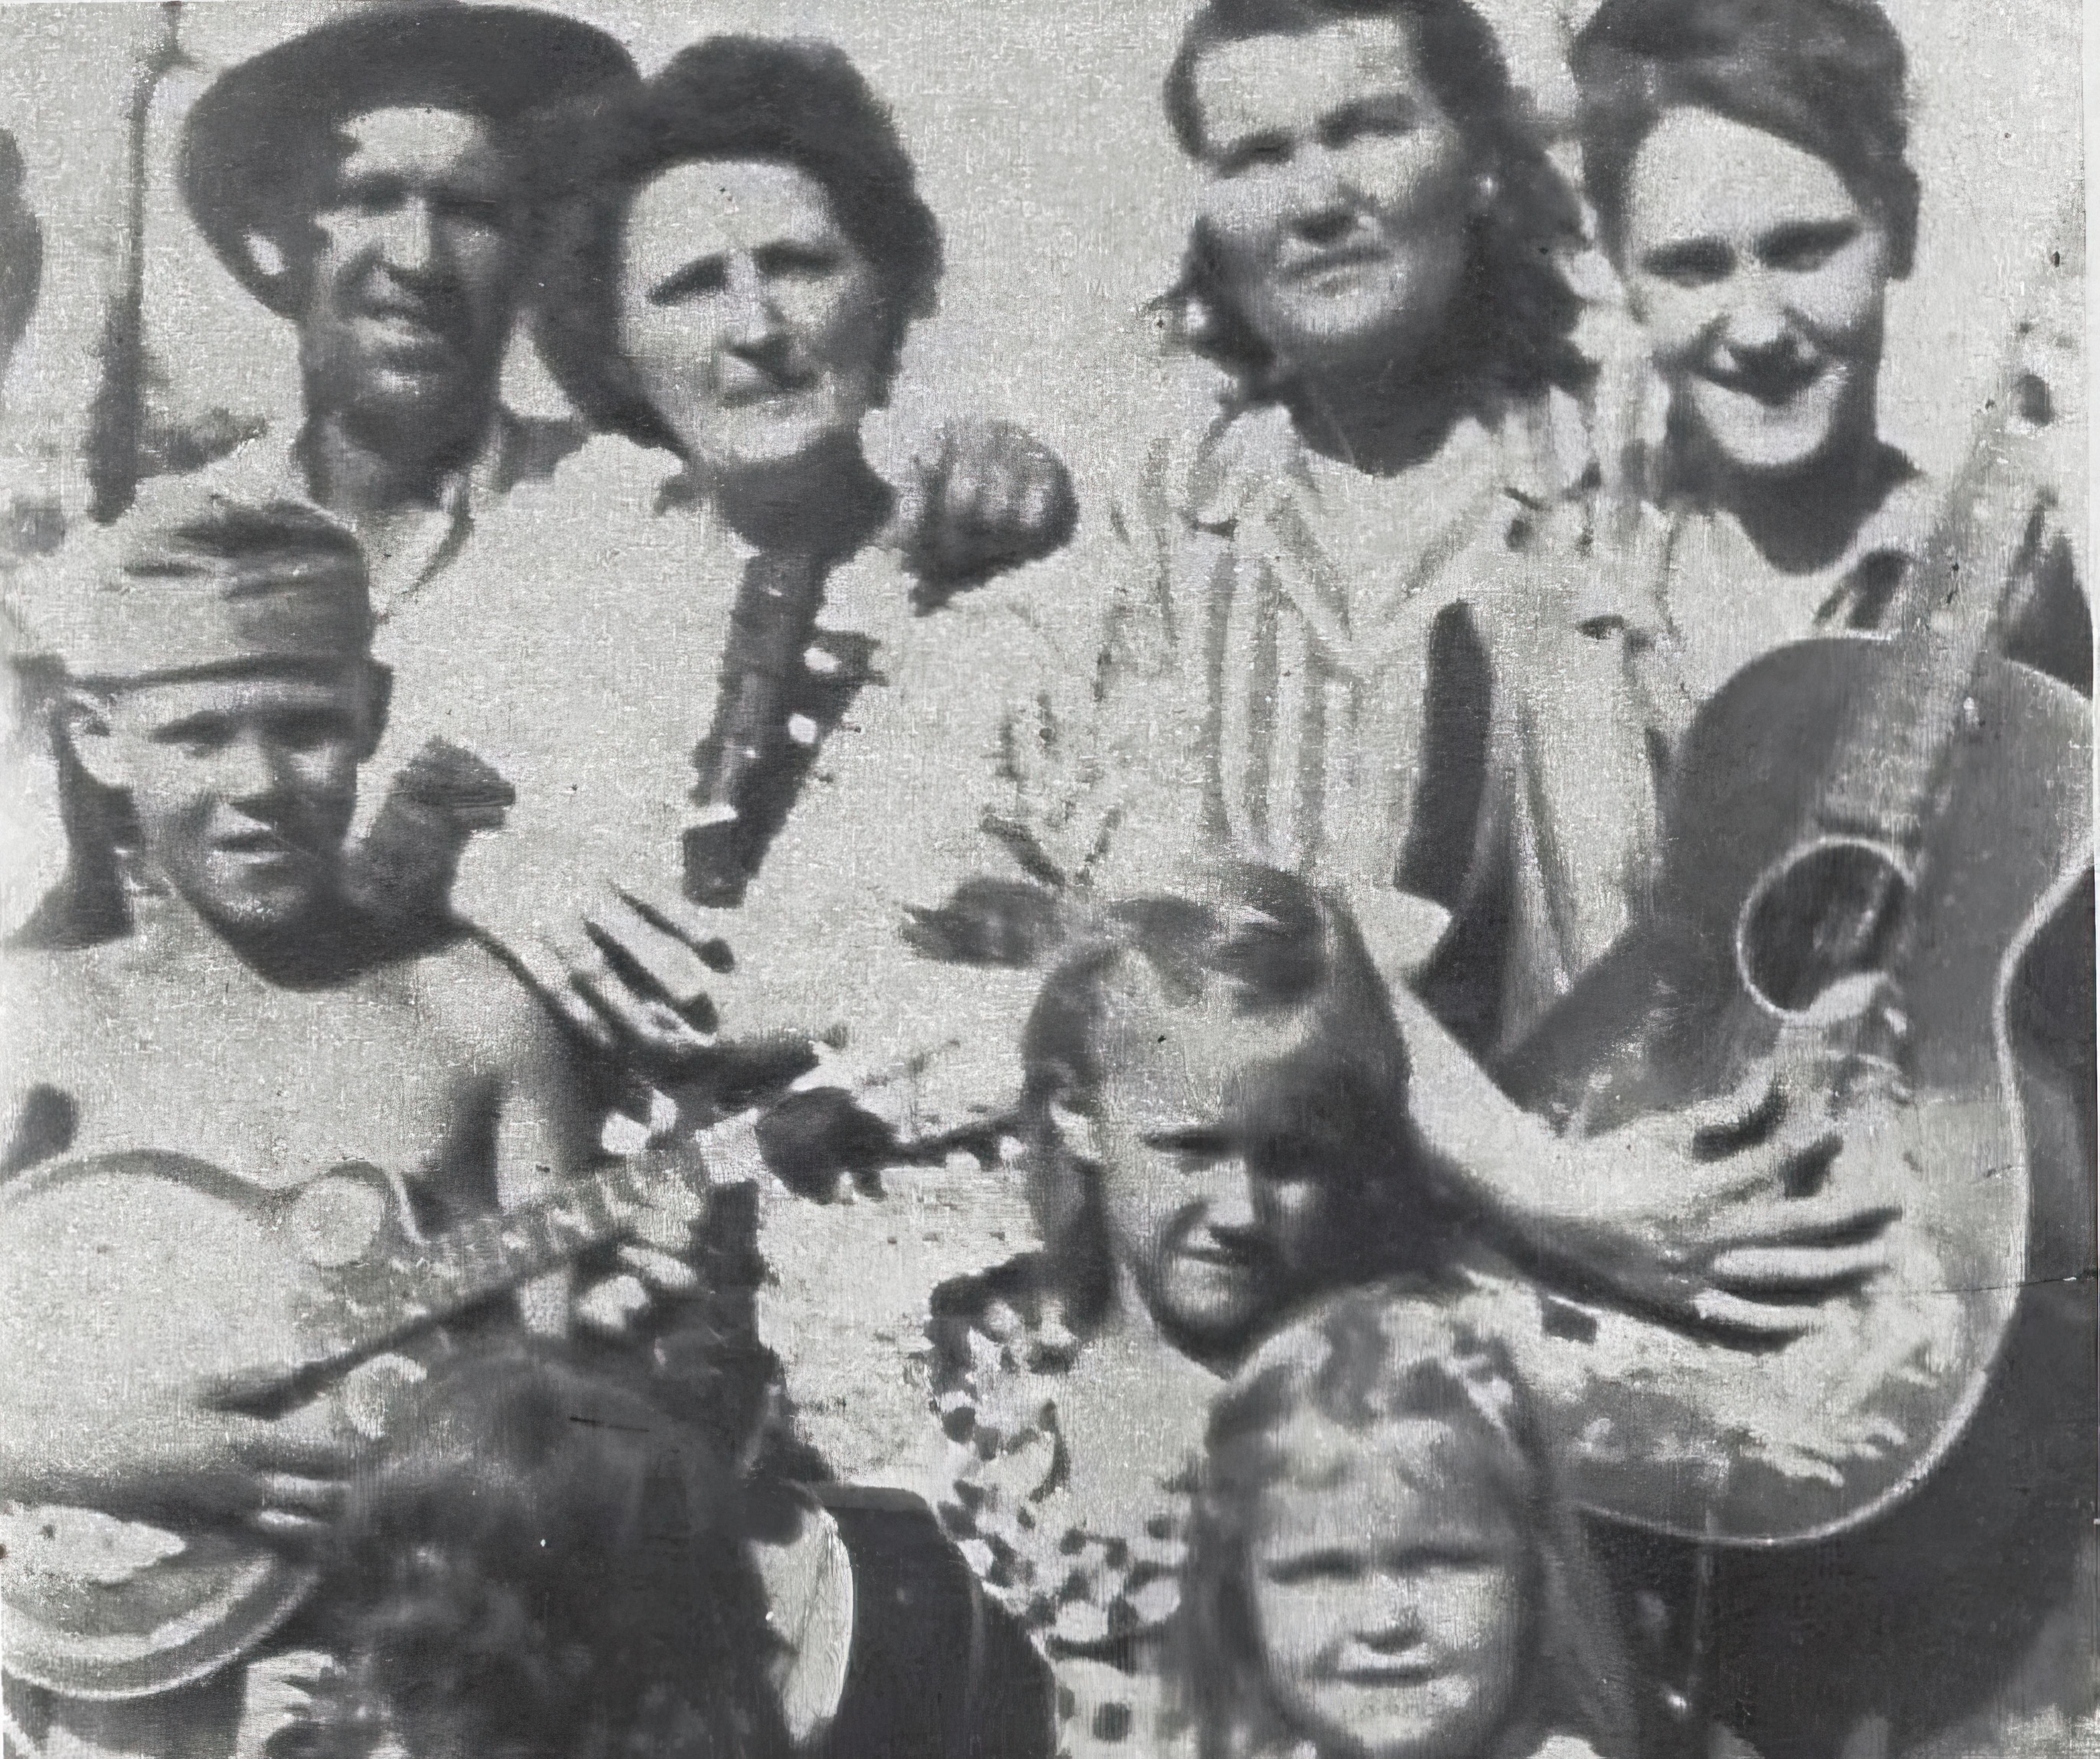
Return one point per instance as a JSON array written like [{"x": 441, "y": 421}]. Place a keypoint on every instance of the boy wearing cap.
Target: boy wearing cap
[{"x": 218, "y": 682}]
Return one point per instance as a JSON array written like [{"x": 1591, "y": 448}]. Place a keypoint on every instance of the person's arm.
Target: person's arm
[
  {"x": 546, "y": 1131},
  {"x": 1683, "y": 1210}
]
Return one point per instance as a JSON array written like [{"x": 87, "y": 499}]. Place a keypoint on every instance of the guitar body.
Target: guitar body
[
  {"x": 127, "y": 1280},
  {"x": 1705, "y": 1435},
  {"x": 131, "y": 1280}
]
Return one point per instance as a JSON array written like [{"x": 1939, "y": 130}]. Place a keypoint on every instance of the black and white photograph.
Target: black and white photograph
[{"x": 1047, "y": 879}]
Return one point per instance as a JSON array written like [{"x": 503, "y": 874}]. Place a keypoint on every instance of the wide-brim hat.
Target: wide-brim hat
[{"x": 500, "y": 62}]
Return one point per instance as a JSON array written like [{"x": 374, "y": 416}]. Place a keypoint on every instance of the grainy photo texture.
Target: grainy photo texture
[{"x": 982, "y": 879}]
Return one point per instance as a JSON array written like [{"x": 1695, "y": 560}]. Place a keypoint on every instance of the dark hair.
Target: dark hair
[
  {"x": 550, "y": 1565},
  {"x": 1514, "y": 316},
  {"x": 1360, "y": 1361},
  {"x": 798, "y": 104},
  {"x": 1826, "y": 75},
  {"x": 1260, "y": 944}
]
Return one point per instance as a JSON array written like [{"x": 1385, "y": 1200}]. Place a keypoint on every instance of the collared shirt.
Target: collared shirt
[
  {"x": 1593, "y": 684},
  {"x": 405, "y": 552},
  {"x": 1262, "y": 678}
]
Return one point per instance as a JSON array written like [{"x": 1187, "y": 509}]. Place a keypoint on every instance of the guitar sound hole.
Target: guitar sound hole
[{"x": 1830, "y": 916}]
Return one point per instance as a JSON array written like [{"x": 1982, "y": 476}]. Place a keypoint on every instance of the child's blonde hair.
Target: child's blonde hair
[
  {"x": 1264, "y": 947},
  {"x": 1361, "y": 1360}
]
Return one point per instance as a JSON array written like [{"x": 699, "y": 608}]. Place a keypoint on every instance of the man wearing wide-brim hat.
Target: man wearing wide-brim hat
[{"x": 370, "y": 180}]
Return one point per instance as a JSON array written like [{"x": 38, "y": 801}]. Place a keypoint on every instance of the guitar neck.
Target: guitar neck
[
  {"x": 1949, "y": 613},
  {"x": 380, "y": 1304}
]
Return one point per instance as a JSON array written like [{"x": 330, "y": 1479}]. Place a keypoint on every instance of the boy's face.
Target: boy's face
[
  {"x": 1220, "y": 1193},
  {"x": 1390, "y": 1602},
  {"x": 243, "y": 785}
]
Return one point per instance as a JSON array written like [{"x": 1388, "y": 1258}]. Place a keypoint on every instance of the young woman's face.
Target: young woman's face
[
  {"x": 1338, "y": 192},
  {"x": 1762, "y": 282},
  {"x": 754, "y": 325},
  {"x": 1389, "y": 1601}
]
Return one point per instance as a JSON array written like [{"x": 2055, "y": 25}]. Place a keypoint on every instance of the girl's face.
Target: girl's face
[
  {"x": 1761, "y": 280},
  {"x": 754, "y": 325},
  {"x": 1388, "y": 1596},
  {"x": 1338, "y": 193},
  {"x": 1213, "y": 1221}
]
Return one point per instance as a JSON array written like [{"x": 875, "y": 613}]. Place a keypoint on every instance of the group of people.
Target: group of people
[{"x": 456, "y": 805}]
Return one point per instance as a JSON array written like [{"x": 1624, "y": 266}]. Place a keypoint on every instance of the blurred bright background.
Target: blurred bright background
[{"x": 1039, "y": 134}]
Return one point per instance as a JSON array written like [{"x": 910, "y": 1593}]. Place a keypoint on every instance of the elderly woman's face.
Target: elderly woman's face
[
  {"x": 1340, "y": 192},
  {"x": 754, "y": 325}
]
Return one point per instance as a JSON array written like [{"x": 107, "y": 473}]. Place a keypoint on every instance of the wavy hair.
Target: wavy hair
[
  {"x": 1826, "y": 75},
  {"x": 793, "y": 103},
  {"x": 550, "y": 1567},
  {"x": 1514, "y": 316},
  {"x": 1361, "y": 1362}
]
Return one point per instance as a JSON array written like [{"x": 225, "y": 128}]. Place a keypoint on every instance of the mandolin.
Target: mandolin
[
  {"x": 151, "y": 1273},
  {"x": 1864, "y": 834}
]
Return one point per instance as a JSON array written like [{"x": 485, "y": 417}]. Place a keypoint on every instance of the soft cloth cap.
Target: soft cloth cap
[{"x": 192, "y": 580}]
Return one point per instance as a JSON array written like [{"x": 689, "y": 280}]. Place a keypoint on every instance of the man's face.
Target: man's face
[
  {"x": 1338, "y": 193},
  {"x": 755, "y": 326},
  {"x": 1762, "y": 282},
  {"x": 243, "y": 785},
  {"x": 409, "y": 291},
  {"x": 1390, "y": 1602},
  {"x": 1221, "y": 1202}
]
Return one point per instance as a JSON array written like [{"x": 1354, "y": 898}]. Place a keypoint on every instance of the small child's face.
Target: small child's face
[{"x": 1390, "y": 1604}]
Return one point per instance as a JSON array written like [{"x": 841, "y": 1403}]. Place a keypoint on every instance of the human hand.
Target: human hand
[
  {"x": 985, "y": 497},
  {"x": 653, "y": 1265},
  {"x": 1690, "y": 1212},
  {"x": 635, "y": 970},
  {"x": 281, "y": 1694},
  {"x": 192, "y": 1457},
  {"x": 813, "y": 1136}
]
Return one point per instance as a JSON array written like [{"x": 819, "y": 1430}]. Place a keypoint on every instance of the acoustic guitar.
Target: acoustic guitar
[
  {"x": 131, "y": 1279},
  {"x": 1864, "y": 834}
]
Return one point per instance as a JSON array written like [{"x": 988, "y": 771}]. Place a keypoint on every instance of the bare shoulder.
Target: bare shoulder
[
  {"x": 55, "y": 1007},
  {"x": 473, "y": 1001},
  {"x": 49, "y": 994}
]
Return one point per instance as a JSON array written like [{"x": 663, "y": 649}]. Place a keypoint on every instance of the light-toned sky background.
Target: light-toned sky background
[{"x": 1037, "y": 127}]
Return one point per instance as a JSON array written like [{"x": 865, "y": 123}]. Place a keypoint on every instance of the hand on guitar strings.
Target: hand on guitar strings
[
  {"x": 286, "y": 1478},
  {"x": 1691, "y": 1212},
  {"x": 651, "y": 1269}
]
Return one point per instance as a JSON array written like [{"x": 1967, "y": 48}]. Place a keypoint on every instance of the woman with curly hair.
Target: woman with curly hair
[
  {"x": 1373, "y": 267},
  {"x": 1380, "y": 1565},
  {"x": 733, "y": 720}
]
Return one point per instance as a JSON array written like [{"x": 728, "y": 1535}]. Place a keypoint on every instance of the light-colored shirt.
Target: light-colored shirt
[
  {"x": 578, "y": 649},
  {"x": 1262, "y": 673},
  {"x": 1594, "y": 674}
]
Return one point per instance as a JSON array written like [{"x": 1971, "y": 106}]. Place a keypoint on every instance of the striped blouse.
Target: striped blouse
[{"x": 1262, "y": 682}]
